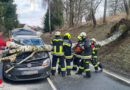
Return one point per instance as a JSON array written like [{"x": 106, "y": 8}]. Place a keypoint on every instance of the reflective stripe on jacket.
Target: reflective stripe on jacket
[{"x": 57, "y": 44}]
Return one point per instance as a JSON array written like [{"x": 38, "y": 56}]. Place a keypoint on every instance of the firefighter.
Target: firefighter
[
  {"x": 86, "y": 53},
  {"x": 94, "y": 61},
  {"x": 67, "y": 44},
  {"x": 58, "y": 53},
  {"x": 77, "y": 50}
]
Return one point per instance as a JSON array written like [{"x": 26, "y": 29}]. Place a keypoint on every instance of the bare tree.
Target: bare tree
[
  {"x": 71, "y": 13},
  {"x": 116, "y": 6},
  {"x": 49, "y": 16},
  {"x": 126, "y": 7},
  {"x": 105, "y": 9}
]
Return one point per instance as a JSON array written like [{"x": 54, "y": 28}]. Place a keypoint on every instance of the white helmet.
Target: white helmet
[
  {"x": 93, "y": 39},
  {"x": 83, "y": 34},
  {"x": 57, "y": 33}
]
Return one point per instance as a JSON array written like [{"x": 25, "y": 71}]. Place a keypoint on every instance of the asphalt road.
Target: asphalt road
[{"x": 98, "y": 81}]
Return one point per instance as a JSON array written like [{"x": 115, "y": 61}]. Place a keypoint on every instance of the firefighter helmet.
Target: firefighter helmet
[
  {"x": 57, "y": 33},
  {"x": 68, "y": 35},
  {"x": 93, "y": 39},
  {"x": 82, "y": 34}
]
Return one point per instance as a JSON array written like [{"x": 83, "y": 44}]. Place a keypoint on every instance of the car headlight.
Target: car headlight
[{"x": 46, "y": 62}]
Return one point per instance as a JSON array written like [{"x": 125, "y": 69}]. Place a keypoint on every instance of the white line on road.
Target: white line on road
[
  {"x": 51, "y": 83},
  {"x": 116, "y": 76}
]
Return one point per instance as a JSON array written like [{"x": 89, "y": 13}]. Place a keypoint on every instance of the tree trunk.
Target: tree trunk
[
  {"x": 115, "y": 9},
  {"x": 94, "y": 19},
  {"x": 93, "y": 15},
  {"x": 79, "y": 12},
  {"x": 126, "y": 7},
  {"x": 71, "y": 14},
  {"x": 49, "y": 17},
  {"x": 105, "y": 9}
]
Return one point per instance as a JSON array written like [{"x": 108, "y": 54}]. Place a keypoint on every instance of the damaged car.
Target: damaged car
[{"x": 36, "y": 67}]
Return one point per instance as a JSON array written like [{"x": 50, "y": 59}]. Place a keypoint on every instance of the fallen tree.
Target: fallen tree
[{"x": 119, "y": 30}]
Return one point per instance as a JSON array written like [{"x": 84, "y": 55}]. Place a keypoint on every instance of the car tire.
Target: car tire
[{"x": 1, "y": 70}]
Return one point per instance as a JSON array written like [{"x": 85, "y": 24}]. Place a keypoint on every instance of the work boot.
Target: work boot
[
  {"x": 88, "y": 74},
  {"x": 63, "y": 74},
  {"x": 96, "y": 69},
  {"x": 68, "y": 72},
  {"x": 59, "y": 70},
  {"x": 53, "y": 72},
  {"x": 74, "y": 68},
  {"x": 101, "y": 67},
  {"x": 79, "y": 72}
]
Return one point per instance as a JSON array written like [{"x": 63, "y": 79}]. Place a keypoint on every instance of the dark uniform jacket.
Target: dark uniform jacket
[
  {"x": 94, "y": 49},
  {"x": 86, "y": 46},
  {"x": 57, "y": 44},
  {"x": 67, "y": 44}
]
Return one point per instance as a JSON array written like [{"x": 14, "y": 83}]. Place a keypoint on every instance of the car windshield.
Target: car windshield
[
  {"x": 37, "y": 42},
  {"x": 23, "y": 32}
]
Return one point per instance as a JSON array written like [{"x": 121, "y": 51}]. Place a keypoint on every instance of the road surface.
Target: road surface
[{"x": 98, "y": 81}]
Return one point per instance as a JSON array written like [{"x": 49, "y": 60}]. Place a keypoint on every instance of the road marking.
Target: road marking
[
  {"x": 115, "y": 75},
  {"x": 51, "y": 83}
]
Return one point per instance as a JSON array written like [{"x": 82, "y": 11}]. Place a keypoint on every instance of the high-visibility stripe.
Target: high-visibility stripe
[
  {"x": 81, "y": 67},
  {"x": 60, "y": 48},
  {"x": 97, "y": 64},
  {"x": 87, "y": 70},
  {"x": 67, "y": 44},
  {"x": 58, "y": 60},
  {"x": 53, "y": 68},
  {"x": 93, "y": 52},
  {"x": 63, "y": 69},
  {"x": 86, "y": 57},
  {"x": 68, "y": 67},
  {"x": 74, "y": 65},
  {"x": 57, "y": 39},
  {"x": 95, "y": 56},
  {"x": 87, "y": 62},
  {"x": 58, "y": 53},
  {"x": 79, "y": 56},
  {"x": 68, "y": 57}
]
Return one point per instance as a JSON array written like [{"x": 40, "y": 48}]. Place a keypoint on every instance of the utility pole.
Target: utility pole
[{"x": 49, "y": 19}]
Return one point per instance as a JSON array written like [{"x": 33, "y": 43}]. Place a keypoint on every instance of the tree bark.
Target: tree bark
[
  {"x": 71, "y": 14},
  {"x": 126, "y": 7},
  {"x": 116, "y": 5},
  {"x": 49, "y": 17},
  {"x": 105, "y": 9},
  {"x": 93, "y": 15}
]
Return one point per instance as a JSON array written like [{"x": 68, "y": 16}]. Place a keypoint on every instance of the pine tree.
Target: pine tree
[
  {"x": 57, "y": 19},
  {"x": 8, "y": 16}
]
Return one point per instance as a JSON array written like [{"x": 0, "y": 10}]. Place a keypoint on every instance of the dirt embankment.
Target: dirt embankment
[
  {"x": 116, "y": 56},
  {"x": 100, "y": 32}
]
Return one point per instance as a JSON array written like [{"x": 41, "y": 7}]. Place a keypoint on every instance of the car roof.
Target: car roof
[
  {"x": 26, "y": 37},
  {"x": 22, "y": 31}
]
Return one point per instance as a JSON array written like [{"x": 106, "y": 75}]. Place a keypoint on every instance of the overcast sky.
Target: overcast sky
[{"x": 32, "y": 13}]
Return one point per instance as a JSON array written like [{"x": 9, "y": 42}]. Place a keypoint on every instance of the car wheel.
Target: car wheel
[
  {"x": 3, "y": 73},
  {"x": 1, "y": 70}
]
